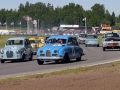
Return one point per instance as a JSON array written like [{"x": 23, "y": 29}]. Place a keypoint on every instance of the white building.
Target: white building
[{"x": 6, "y": 32}]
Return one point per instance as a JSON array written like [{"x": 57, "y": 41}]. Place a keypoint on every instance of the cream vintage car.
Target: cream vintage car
[{"x": 17, "y": 48}]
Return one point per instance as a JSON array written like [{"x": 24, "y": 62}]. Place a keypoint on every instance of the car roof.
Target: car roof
[
  {"x": 92, "y": 34},
  {"x": 62, "y": 36},
  {"x": 83, "y": 33},
  {"x": 15, "y": 38}
]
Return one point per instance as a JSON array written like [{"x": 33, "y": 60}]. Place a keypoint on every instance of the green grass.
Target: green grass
[
  {"x": 117, "y": 24},
  {"x": 3, "y": 40},
  {"x": 100, "y": 38}
]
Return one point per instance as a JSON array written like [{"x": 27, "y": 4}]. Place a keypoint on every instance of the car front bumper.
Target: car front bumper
[
  {"x": 50, "y": 58},
  {"x": 7, "y": 59},
  {"x": 112, "y": 47}
]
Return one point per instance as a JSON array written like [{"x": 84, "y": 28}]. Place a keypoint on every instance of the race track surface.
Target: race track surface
[{"x": 93, "y": 56}]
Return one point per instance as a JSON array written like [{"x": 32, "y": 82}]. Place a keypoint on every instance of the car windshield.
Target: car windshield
[
  {"x": 14, "y": 42},
  {"x": 92, "y": 36},
  {"x": 82, "y": 35},
  {"x": 111, "y": 35},
  {"x": 56, "y": 41},
  {"x": 32, "y": 41},
  {"x": 112, "y": 39}
]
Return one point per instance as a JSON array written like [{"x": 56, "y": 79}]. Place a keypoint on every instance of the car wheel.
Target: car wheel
[
  {"x": 31, "y": 57},
  {"x": 23, "y": 58},
  {"x": 79, "y": 41},
  {"x": 103, "y": 48},
  {"x": 57, "y": 61},
  {"x": 40, "y": 62},
  {"x": 85, "y": 45},
  {"x": 98, "y": 45},
  {"x": 2, "y": 61},
  {"x": 79, "y": 58},
  {"x": 66, "y": 59},
  {"x": 34, "y": 53}
]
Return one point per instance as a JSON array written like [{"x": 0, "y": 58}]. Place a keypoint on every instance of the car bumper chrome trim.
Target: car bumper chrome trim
[
  {"x": 9, "y": 58},
  {"x": 49, "y": 58}
]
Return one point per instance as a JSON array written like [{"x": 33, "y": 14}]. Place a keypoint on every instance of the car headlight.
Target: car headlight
[
  {"x": 1, "y": 51},
  {"x": 104, "y": 44},
  {"x": 87, "y": 41},
  {"x": 17, "y": 51},
  {"x": 55, "y": 51},
  {"x": 41, "y": 51}
]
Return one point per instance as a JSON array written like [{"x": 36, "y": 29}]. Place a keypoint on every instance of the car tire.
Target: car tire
[
  {"x": 34, "y": 53},
  {"x": 66, "y": 59},
  {"x": 104, "y": 48},
  {"x": 57, "y": 61},
  {"x": 79, "y": 58},
  {"x": 85, "y": 45},
  {"x": 23, "y": 58},
  {"x": 40, "y": 62},
  {"x": 2, "y": 61},
  {"x": 31, "y": 57},
  {"x": 98, "y": 45}
]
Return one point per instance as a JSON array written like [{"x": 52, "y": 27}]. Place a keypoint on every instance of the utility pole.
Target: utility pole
[
  {"x": 85, "y": 26},
  {"x": 38, "y": 28}
]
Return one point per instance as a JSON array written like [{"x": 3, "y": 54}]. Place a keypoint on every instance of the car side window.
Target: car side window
[
  {"x": 74, "y": 41},
  {"x": 27, "y": 42},
  {"x": 70, "y": 41}
]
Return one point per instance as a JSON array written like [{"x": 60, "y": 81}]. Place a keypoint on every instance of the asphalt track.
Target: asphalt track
[{"x": 93, "y": 56}]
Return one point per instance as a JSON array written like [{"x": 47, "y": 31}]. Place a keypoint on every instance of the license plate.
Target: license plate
[{"x": 112, "y": 44}]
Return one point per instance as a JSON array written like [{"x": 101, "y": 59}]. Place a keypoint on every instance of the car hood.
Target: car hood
[
  {"x": 13, "y": 47},
  {"x": 52, "y": 47}
]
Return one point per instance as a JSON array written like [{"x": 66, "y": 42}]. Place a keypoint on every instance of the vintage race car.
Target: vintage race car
[
  {"x": 92, "y": 39},
  {"x": 59, "y": 48},
  {"x": 36, "y": 42},
  {"x": 82, "y": 38},
  {"x": 111, "y": 43},
  {"x": 17, "y": 48},
  {"x": 107, "y": 35}
]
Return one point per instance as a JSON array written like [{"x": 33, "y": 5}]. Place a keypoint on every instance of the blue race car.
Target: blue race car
[
  {"x": 92, "y": 40},
  {"x": 59, "y": 48}
]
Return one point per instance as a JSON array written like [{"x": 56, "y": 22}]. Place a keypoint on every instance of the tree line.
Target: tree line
[{"x": 50, "y": 16}]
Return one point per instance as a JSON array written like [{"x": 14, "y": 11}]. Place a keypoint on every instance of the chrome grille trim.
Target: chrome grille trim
[
  {"x": 55, "y": 55},
  {"x": 48, "y": 53},
  {"x": 9, "y": 54},
  {"x": 42, "y": 55}
]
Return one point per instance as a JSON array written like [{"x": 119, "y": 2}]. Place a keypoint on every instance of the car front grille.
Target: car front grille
[
  {"x": 112, "y": 44},
  {"x": 42, "y": 55},
  {"x": 54, "y": 55},
  {"x": 48, "y": 53},
  {"x": 9, "y": 54},
  {"x": 35, "y": 46}
]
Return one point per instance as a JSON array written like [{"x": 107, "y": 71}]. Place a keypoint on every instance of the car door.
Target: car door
[
  {"x": 71, "y": 48},
  {"x": 76, "y": 47},
  {"x": 28, "y": 48}
]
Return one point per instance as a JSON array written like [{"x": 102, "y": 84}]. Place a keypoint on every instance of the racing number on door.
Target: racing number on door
[{"x": 73, "y": 50}]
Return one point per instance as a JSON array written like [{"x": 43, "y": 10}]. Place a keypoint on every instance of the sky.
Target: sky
[{"x": 110, "y": 5}]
